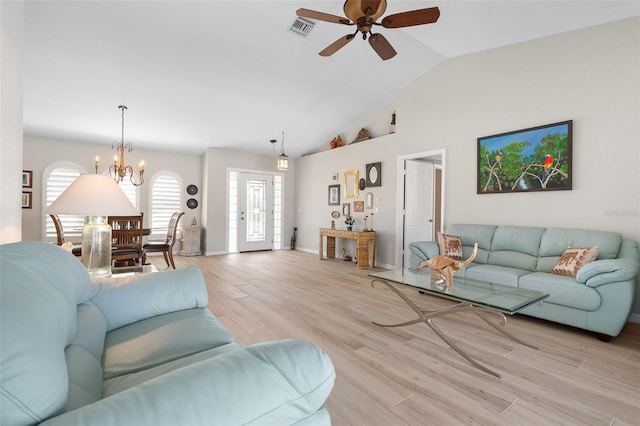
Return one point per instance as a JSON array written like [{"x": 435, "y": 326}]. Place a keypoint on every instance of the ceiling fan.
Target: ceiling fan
[{"x": 364, "y": 14}]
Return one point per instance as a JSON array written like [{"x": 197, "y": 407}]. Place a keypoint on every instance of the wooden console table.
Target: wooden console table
[{"x": 364, "y": 239}]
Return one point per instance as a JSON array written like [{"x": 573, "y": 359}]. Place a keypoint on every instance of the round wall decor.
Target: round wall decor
[
  {"x": 192, "y": 203},
  {"x": 192, "y": 190}
]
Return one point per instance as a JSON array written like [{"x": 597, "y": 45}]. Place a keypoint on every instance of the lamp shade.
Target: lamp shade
[{"x": 93, "y": 195}]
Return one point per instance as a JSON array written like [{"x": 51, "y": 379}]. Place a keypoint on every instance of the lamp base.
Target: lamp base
[{"x": 96, "y": 246}]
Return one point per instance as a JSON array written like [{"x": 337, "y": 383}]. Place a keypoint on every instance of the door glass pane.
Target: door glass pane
[{"x": 256, "y": 210}]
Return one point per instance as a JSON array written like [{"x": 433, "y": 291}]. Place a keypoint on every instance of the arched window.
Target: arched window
[
  {"x": 57, "y": 177},
  {"x": 166, "y": 199}
]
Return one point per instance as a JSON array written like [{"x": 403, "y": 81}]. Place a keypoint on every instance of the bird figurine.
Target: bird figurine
[
  {"x": 443, "y": 266},
  {"x": 498, "y": 158}
]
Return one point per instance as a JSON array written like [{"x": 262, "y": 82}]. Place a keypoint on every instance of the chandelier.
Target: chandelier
[
  {"x": 283, "y": 160},
  {"x": 118, "y": 170}
]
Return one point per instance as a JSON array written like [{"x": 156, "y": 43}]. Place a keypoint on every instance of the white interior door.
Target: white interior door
[
  {"x": 418, "y": 204},
  {"x": 255, "y": 212}
]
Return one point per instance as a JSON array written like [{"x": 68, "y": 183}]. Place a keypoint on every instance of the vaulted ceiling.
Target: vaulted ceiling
[{"x": 200, "y": 74}]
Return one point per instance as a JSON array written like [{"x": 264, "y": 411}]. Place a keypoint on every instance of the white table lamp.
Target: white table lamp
[{"x": 95, "y": 197}]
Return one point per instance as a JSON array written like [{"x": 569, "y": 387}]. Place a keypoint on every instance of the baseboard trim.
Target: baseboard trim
[
  {"x": 635, "y": 318},
  {"x": 215, "y": 253}
]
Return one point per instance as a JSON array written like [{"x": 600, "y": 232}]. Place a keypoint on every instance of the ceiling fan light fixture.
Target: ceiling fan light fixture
[{"x": 355, "y": 9}]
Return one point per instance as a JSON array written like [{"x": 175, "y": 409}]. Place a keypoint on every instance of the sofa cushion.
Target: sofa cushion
[
  {"x": 496, "y": 274},
  {"x": 91, "y": 329},
  {"x": 520, "y": 239},
  {"x": 120, "y": 383},
  {"x": 562, "y": 290},
  {"x": 555, "y": 240},
  {"x": 274, "y": 383},
  {"x": 126, "y": 300},
  {"x": 160, "y": 339},
  {"x": 515, "y": 247},
  {"x": 84, "y": 355},
  {"x": 85, "y": 377},
  {"x": 573, "y": 259},
  {"x": 450, "y": 245}
]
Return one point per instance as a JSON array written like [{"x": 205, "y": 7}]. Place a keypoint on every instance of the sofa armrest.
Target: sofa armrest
[
  {"x": 281, "y": 383},
  {"x": 127, "y": 300},
  {"x": 607, "y": 271},
  {"x": 424, "y": 250}
]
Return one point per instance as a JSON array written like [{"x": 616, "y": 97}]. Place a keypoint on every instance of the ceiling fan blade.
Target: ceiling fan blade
[
  {"x": 382, "y": 47},
  {"x": 411, "y": 18},
  {"x": 321, "y": 16},
  {"x": 337, "y": 45}
]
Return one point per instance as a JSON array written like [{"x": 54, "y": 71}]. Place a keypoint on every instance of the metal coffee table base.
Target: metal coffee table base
[{"x": 427, "y": 317}]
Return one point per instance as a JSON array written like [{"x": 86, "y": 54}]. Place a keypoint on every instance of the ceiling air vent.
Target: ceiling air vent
[{"x": 302, "y": 26}]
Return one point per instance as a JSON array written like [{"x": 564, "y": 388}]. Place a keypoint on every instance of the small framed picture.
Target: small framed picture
[
  {"x": 26, "y": 200},
  {"x": 358, "y": 206},
  {"x": 27, "y": 179},
  {"x": 334, "y": 195},
  {"x": 346, "y": 209},
  {"x": 369, "y": 200},
  {"x": 334, "y": 177}
]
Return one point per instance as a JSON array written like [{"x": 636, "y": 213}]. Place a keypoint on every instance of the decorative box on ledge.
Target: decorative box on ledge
[{"x": 191, "y": 241}]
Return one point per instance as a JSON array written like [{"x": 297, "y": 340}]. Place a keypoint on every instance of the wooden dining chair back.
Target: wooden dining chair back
[
  {"x": 165, "y": 247},
  {"x": 77, "y": 248},
  {"x": 126, "y": 239}
]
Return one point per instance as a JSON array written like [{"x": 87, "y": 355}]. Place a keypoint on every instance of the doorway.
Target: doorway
[
  {"x": 255, "y": 212},
  {"x": 420, "y": 200}
]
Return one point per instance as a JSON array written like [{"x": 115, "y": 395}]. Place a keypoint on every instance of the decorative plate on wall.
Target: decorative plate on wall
[
  {"x": 335, "y": 214},
  {"x": 192, "y": 203},
  {"x": 192, "y": 190}
]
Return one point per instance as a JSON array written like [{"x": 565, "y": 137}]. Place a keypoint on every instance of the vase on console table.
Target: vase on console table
[{"x": 349, "y": 228}]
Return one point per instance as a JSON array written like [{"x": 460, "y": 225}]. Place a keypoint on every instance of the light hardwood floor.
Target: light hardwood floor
[{"x": 408, "y": 376}]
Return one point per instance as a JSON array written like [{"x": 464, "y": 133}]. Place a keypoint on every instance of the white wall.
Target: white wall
[
  {"x": 590, "y": 76},
  {"x": 314, "y": 178},
  {"x": 11, "y": 64},
  {"x": 40, "y": 153}
]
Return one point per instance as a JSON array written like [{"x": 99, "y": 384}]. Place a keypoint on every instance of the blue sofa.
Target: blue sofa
[
  {"x": 598, "y": 299},
  {"x": 139, "y": 351}
]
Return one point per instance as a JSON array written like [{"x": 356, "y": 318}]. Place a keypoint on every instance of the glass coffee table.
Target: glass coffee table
[{"x": 480, "y": 297}]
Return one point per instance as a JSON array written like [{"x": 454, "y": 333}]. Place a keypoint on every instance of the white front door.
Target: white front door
[
  {"x": 418, "y": 204},
  {"x": 255, "y": 212}
]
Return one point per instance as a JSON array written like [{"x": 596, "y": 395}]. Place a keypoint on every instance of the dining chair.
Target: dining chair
[
  {"x": 126, "y": 239},
  {"x": 77, "y": 248},
  {"x": 165, "y": 247}
]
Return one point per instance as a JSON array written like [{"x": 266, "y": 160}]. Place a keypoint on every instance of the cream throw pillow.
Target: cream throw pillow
[
  {"x": 450, "y": 245},
  {"x": 573, "y": 259}
]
